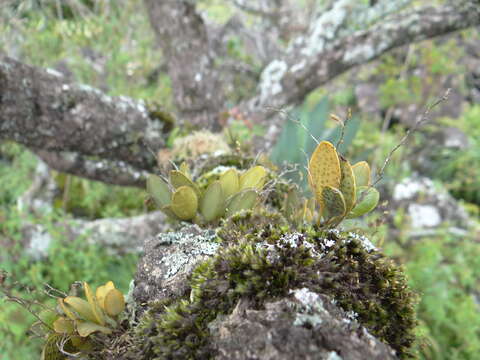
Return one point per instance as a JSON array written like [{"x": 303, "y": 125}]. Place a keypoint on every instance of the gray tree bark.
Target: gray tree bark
[{"x": 80, "y": 130}]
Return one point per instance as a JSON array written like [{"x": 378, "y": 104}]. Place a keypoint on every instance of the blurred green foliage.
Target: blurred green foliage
[
  {"x": 459, "y": 169},
  {"x": 445, "y": 271},
  {"x": 92, "y": 199}
]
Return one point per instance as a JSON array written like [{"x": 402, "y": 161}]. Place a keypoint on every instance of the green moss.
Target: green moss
[
  {"x": 156, "y": 111},
  {"x": 261, "y": 263}
]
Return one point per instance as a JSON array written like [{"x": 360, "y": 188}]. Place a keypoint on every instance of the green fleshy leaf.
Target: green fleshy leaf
[
  {"x": 85, "y": 328},
  {"x": 230, "y": 182},
  {"x": 158, "y": 189},
  {"x": 81, "y": 307},
  {"x": 48, "y": 316},
  {"x": 114, "y": 302},
  {"x": 367, "y": 198},
  {"x": 213, "y": 202},
  {"x": 253, "y": 178},
  {"x": 178, "y": 179},
  {"x": 243, "y": 200},
  {"x": 185, "y": 203},
  {"x": 167, "y": 210},
  {"x": 361, "y": 170}
]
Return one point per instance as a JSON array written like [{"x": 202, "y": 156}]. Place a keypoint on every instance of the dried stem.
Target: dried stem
[{"x": 410, "y": 131}]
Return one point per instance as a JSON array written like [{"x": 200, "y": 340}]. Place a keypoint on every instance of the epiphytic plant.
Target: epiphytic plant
[
  {"x": 341, "y": 190},
  {"x": 182, "y": 199},
  {"x": 80, "y": 318}
]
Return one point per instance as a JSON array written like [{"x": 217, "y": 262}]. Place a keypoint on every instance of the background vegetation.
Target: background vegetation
[{"x": 111, "y": 47}]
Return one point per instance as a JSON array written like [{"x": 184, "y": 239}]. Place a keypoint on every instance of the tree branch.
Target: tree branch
[
  {"x": 42, "y": 110},
  {"x": 108, "y": 171},
  {"x": 321, "y": 55},
  {"x": 183, "y": 37}
]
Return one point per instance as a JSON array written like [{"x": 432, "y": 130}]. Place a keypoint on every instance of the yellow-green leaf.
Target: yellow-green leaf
[
  {"x": 185, "y": 169},
  {"x": 213, "y": 202},
  {"x": 367, "y": 198},
  {"x": 361, "y": 170},
  {"x": 334, "y": 202},
  {"x": 347, "y": 184},
  {"x": 158, "y": 189},
  {"x": 185, "y": 203},
  {"x": 253, "y": 178},
  {"x": 178, "y": 179},
  {"x": 66, "y": 310},
  {"x": 63, "y": 326},
  {"x": 85, "y": 328},
  {"x": 323, "y": 169},
  {"x": 102, "y": 291},
  {"x": 167, "y": 210},
  {"x": 92, "y": 300},
  {"x": 81, "y": 307},
  {"x": 114, "y": 302},
  {"x": 243, "y": 200},
  {"x": 230, "y": 182}
]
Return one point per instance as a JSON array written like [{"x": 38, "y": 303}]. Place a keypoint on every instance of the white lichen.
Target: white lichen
[
  {"x": 271, "y": 79},
  {"x": 190, "y": 247},
  {"x": 333, "y": 356},
  {"x": 324, "y": 29},
  {"x": 424, "y": 216}
]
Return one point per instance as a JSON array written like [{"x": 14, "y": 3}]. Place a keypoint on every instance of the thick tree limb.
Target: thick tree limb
[
  {"x": 108, "y": 171},
  {"x": 41, "y": 110},
  {"x": 183, "y": 37},
  {"x": 320, "y": 56},
  {"x": 118, "y": 236}
]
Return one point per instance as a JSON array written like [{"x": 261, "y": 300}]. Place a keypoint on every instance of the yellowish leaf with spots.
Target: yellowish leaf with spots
[{"x": 324, "y": 169}]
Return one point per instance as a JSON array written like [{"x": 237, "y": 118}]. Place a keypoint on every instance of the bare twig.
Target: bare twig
[
  {"x": 410, "y": 131},
  {"x": 343, "y": 125},
  {"x": 297, "y": 121}
]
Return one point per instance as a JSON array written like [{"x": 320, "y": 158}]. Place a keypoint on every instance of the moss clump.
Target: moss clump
[
  {"x": 156, "y": 111},
  {"x": 255, "y": 226},
  {"x": 250, "y": 266}
]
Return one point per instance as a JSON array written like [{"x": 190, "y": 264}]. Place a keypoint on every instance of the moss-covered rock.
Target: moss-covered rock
[{"x": 260, "y": 260}]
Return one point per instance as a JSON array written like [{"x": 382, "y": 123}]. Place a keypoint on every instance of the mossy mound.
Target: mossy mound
[{"x": 262, "y": 263}]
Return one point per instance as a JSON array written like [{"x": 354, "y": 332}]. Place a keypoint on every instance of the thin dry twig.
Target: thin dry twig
[
  {"x": 343, "y": 125},
  {"x": 297, "y": 121},
  {"x": 424, "y": 118}
]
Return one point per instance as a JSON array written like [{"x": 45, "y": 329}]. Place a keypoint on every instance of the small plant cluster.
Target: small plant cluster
[
  {"x": 182, "y": 199},
  {"x": 341, "y": 190},
  {"x": 79, "y": 318}
]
